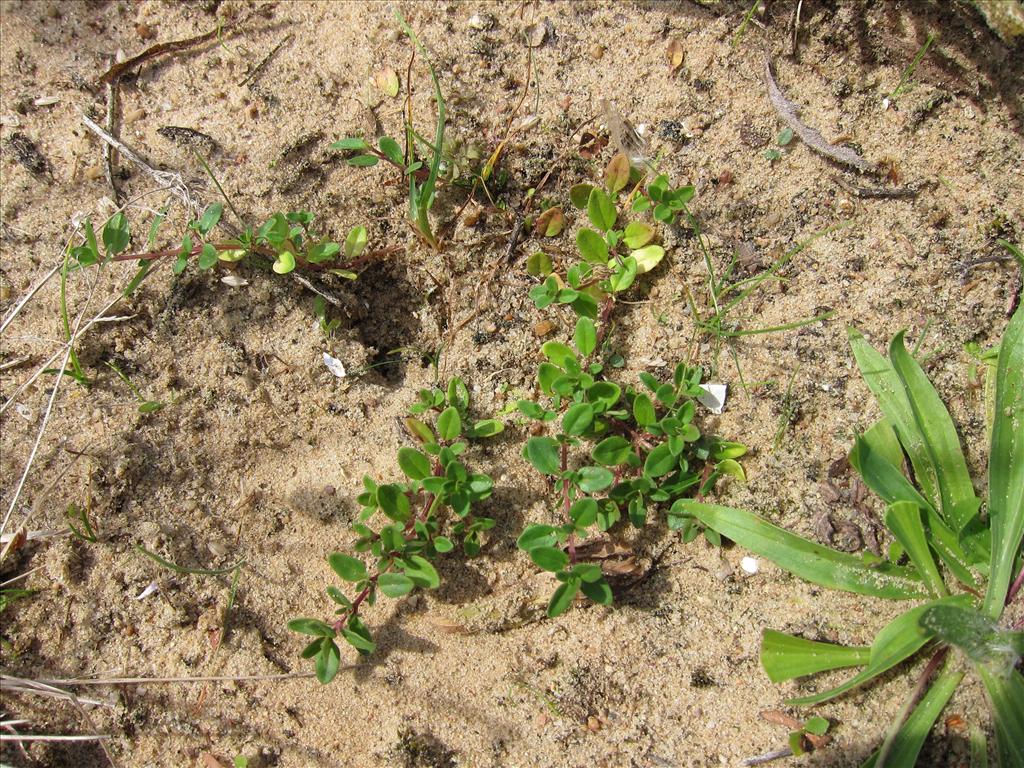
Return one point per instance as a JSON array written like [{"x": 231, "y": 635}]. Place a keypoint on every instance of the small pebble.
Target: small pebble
[
  {"x": 597, "y": 51},
  {"x": 135, "y": 115},
  {"x": 491, "y": 328},
  {"x": 750, "y": 565},
  {"x": 593, "y": 724},
  {"x": 543, "y": 328},
  {"x": 330, "y": 490},
  {"x": 93, "y": 172}
]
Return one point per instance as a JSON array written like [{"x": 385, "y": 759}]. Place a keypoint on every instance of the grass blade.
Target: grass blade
[
  {"x": 1006, "y": 695},
  {"x": 887, "y": 388},
  {"x": 899, "y": 640},
  {"x": 785, "y": 656},
  {"x": 806, "y": 559},
  {"x": 903, "y": 519},
  {"x": 903, "y": 745},
  {"x": 872, "y": 459},
  {"x": 958, "y": 502},
  {"x": 1006, "y": 465}
]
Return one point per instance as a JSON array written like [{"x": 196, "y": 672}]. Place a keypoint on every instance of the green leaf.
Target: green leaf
[
  {"x": 817, "y": 725},
  {"x": 785, "y": 657},
  {"x": 391, "y": 150},
  {"x": 598, "y": 591},
  {"x": 900, "y": 639},
  {"x": 350, "y": 144},
  {"x": 583, "y": 513},
  {"x": 1006, "y": 465},
  {"x": 616, "y": 173},
  {"x": 115, "y": 234},
  {"x": 903, "y": 519},
  {"x": 594, "y": 479},
  {"x": 637, "y": 234},
  {"x": 327, "y": 662},
  {"x": 904, "y": 741},
  {"x": 414, "y": 464},
  {"x": 1006, "y": 696},
  {"x": 210, "y": 218},
  {"x": 612, "y": 451},
  {"x": 578, "y": 418},
  {"x": 648, "y": 258},
  {"x": 979, "y": 637},
  {"x": 355, "y": 241},
  {"x": 395, "y": 584},
  {"x": 549, "y": 558},
  {"x": 643, "y": 410},
  {"x": 449, "y": 424},
  {"x": 623, "y": 276},
  {"x": 558, "y": 353},
  {"x": 959, "y": 505},
  {"x": 886, "y": 386},
  {"x": 660, "y": 461},
  {"x": 601, "y": 210},
  {"x": 208, "y": 257},
  {"x": 359, "y": 638},
  {"x": 488, "y": 428},
  {"x": 311, "y": 627},
  {"x": 806, "y": 559},
  {"x": 586, "y": 336},
  {"x": 538, "y": 264},
  {"x": 593, "y": 248},
  {"x": 422, "y": 573},
  {"x": 542, "y": 453},
  {"x": 443, "y": 544},
  {"x": 348, "y": 568},
  {"x": 579, "y": 195},
  {"x": 563, "y": 597},
  {"x": 285, "y": 263},
  {"x": 393, "y": 502},
  {"x": 537, "y": 535},
  {"x": 363, "y": 161}
]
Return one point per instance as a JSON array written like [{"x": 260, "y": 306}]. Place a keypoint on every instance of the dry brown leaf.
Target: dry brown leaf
[{"x": 674, "y": 54}]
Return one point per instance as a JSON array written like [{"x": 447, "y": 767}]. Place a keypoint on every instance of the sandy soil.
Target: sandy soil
[{"x": 261, "y": 453}]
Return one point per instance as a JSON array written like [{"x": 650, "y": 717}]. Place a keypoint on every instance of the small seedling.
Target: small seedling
[
  {"x": 908, "y": 73},
  {"x": 419, "y": 161},
  {"x": 78, "y": 521},
  {"x": 612, "y": 257},
  {"x": 429, "y": 512},
  {"x": 802, "y": 740},
  {"x": 958, "y": 564},
  {"x": 145, "y": 406}
]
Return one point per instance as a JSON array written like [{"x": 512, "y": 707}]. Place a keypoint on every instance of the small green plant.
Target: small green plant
[
  {"x": 80, "y": 524},
  {"x": 145, "y": 406},
  {"x": 611, "y": 257},
  {"x": 428, "y": 513},
  {"x": 419, "y": 161},
  {"x": 616, "y": 452},
  {"x": 941, "y": 542}
]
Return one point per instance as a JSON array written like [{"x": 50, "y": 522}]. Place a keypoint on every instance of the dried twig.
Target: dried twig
[
  {"x": 256, "y": 70},
  {"x": 789, "y": 112},
  {"x": 118, "y": 70}
]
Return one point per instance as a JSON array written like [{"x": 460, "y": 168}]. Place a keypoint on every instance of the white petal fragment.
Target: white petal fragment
[
  {"x": 714, "y": 397},
  {"x": 234, "y": 281},
  {"x": 334, "y": 365},
  {"x": 153, "y": 587},
  {"x": 750, "y": 565}
]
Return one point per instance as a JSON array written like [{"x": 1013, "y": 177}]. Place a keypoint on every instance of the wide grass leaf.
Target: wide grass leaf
[
  {"x": 785, "y": 656},
  {"x": 958, "y": 502},
  {"x": 886, "y": 386},
  {"x": 905, "y": 744},
  {"x": 1006, "y": 465},
  {"x": 806, "y": 559},
  {"x": 1006, "y": 695},
  {"x": 903, "y": 519},
  {"x": 872, "y": 460},
  {"x": 900, "y": 639}
]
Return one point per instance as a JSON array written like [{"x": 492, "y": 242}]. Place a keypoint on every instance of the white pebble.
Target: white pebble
[{"x": 750, "y": 565}]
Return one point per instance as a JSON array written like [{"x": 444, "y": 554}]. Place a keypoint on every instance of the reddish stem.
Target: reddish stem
[
  {"x": 566, "y": 503},
  {"x": 1015, "y": 587}
]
